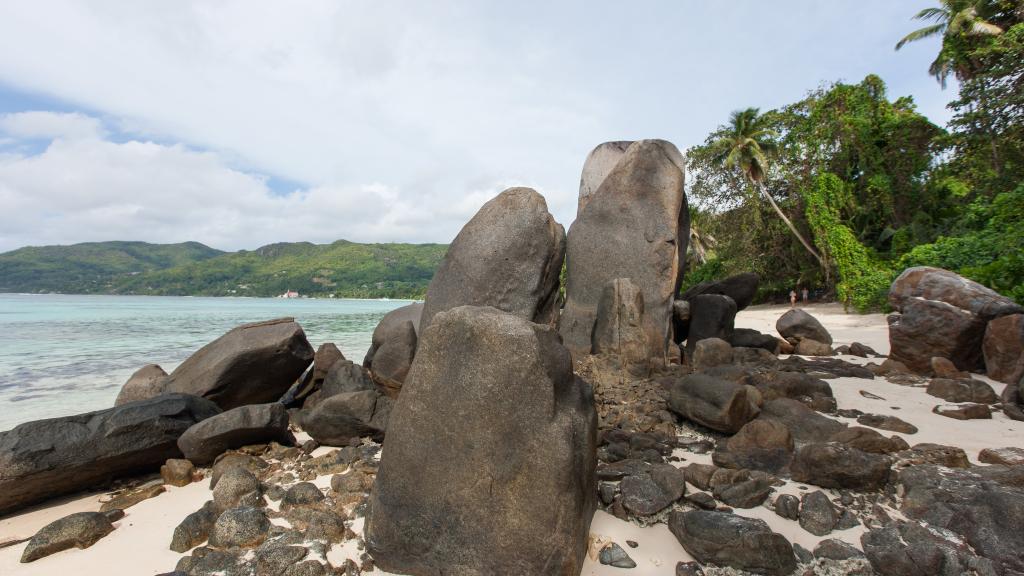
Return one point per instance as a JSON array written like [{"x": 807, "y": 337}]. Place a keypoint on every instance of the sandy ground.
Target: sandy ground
[{"x": 139, "y": 545}]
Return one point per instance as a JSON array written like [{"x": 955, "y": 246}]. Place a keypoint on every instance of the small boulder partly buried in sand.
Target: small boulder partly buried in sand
[
  {"x": 251, "y": 364},
  {"x": 718, "y": 404},
  {"x": 509, "y": 256},
  {"x": 79, "y": 530},
  {"x": 731, "y": 540},
  {"x": 796, "y": 325},
  {"x": 511, "y": 489}
]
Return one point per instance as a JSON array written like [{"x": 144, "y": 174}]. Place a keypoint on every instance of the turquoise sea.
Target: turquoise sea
[{"x": 62, "y": 355}]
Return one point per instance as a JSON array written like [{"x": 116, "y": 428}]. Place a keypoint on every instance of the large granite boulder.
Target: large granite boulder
[
  {"x": 491, "y": 452},
  {"x": 760, "y": 445},
  {"x": 147, "y": 382},
  {"x": 987, "y": 514},
  {"x": 941, "y": 314},
  {"x": 394, "y": 345},
  {"x": 252, "y": 424},
  {"x": 797, "y": 325},
  {"x": 636, "y": 226},
  {"x": 313, "y": 378},
  {"x": 929, "y": 328},
  {"x": 78, "y": 530},
  {"x": 47, "y": 458},
  {"x": 742, "y": 288},
  {"x": 619, "y": 327},
  {"x": 509, "y": 256},
  {"x": 732, "y": 540},
  {"x": 1003, "y": 348},
  {"x": 834, "y": 465},
  {"x": 718, "y": 404},
  {"x": 252, "y": 364},
  {"x": 339, "y": 419},
  {"x": 929, "y": 283},
  {"x": 805, "y": 424},
  {"x": 598, "y": 165}
]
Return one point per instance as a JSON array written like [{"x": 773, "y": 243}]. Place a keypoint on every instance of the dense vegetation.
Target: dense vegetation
[
  {"x": 872, "y": 184},
  {"x": 345, "y": 269}
]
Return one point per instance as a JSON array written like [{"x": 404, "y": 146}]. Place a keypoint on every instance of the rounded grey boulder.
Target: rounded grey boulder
[
  {"x": 147, "y": 382},
  {"x": 79, "y": 530},
  {"x": 252, "y": 424}
]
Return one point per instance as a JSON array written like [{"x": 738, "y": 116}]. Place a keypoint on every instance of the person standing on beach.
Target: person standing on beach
[
  {"x": 804, "y": 294},
  {"x": 792, "y": 298}
]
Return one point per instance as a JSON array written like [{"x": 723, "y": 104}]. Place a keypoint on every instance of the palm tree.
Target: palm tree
[
  {"x": 745, "y": 144},
  {"x": 952, "y": 19},
  {"x": 701, "y": 242}
]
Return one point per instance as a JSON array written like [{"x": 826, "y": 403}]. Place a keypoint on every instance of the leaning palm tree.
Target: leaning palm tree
[
  {"x": 744, "y": 145},
  {"x": 952, "y": 18},
  {"x": 701, "y": 241}
]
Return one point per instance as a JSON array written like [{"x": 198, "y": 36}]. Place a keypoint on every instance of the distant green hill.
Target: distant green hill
[{"x": 345, "y": 269}]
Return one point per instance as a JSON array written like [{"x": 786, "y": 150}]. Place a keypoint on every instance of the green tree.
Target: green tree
[
  {"x": 954, "y": 20},
  {"x": 744, "y": 145}
]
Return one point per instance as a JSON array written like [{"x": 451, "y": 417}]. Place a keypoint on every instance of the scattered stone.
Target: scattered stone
[
  {"x": 229, "y": 460},
  {"x": 502, "y": 390},
  {"x": 787, "y": 506},
  {"x": 814, "y": 392},
  {"x": 1003, "y": 348},
  {"x": 835, "y": 465},
  {"x": 870, "y": 396},
  {"x": 760, "y": 445},
  {"x": 744, "y": 494},
  {"x": 962, "y": 391},
  {"x": 702, "y": 500},
  {"x": 613, "y": 555},
  {"x": 177, "y": 472},
  {"x": 651, "y": 492},
  {"x": 303, "y": 494},
  {"x": 817, "y": 513},
  {"x": 747, "y": 338},
  {"x": 912, "y": 550},
  {"x": 133, "y": 497},
  {"x": 796, "y": 325},
  {"x": 809, "y": 347},
  {"x": 237, "y": 487},
  {"x": 273, "y": 558},
  {"x": 689, "y": 569},
  {"x": 862, "y": 350},
  {"x": 717, "y": 404},
  {"x": 251, "y": 364},
  {"x": 887, "y": 422},
  {"x": 251, "y": 424},
  {"x": 825, "y": 367},
  {"x": 964, "y": 411},
  {"x": 925, "y": 453},
  {"x": 80, "y": 530},
  {"x": 804, "y": 424},
  {"x": 868, "y": 440},
  {"x": 803, "y": 555},
  {"x": 195, "y": 528},
  {"x": 944, "y": 368},
  {"x": 147, "y": 382},
  {"x": 835, "y": 549},
  {"x": 240, "y": 527},
  {"x": 634, "y": 225},
  {"x": 731, "y": 540},
  {"x": 47, "y": 458},
  {"x": 1005, "y": 456},
  {"x": 711, "y": 352}
]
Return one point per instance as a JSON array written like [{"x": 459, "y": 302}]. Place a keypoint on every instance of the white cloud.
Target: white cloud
[
  {"x": 94, "y": 189},
  {"x": 39, "y": 124},
  {"x": 394, "y": 117}
]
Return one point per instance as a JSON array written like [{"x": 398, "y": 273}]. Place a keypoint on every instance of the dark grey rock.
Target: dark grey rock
[
  {"x": 1003, "y": 349},
  {"x": 711, "y": 316},
  {"x": 635, "y": 225},
  {"x": 195, "y": 528},
  {"x": 803, "y": 423},
  {"x": 619, "y": 326},
  {"x": 962, "y": 391},
  {"x": 689, "y": 569},
  {"x": 252, "y": 364},
  {"x": 731, "y": 540},
  {"x": 717, "y": 404},
  {"x": 835, "y": 549},
  {"x": 393, "y": 345},
  {"x": 711, "y": 352},
  {"x": 964, "y": 411},
  {"x": 745, "y": 494},
  {"x": 929, "y": 328},
  {"x": 47, "y": 458},
  {"x": 341, "y": 418},
  {"x": 887, "y": 422},
  {"x": 303, "y": 494},
  {"x": 613, "y": 555},
  {"x": 760, "y": 445},
  {"x": 177, "y": 472},
  {"x": 817, "y": 513},
  {"x": 787, "y": 506},
  {"x": 869, "y": 440},
  {"x": 230, "y": 460},
  {"x": 797, "y": 324},
  {"x": 79, "y": 530},
  {"x": 509, "y": 256},
  {"x": 653, "y": 491},
  {"x": 273, "y": 558},
  {"x": 924, "y": 282},
  {"x": 521, "y": 435},
  {"x": 237, "y": 487},
  {"x": 251, "y": 424},
  {"x": 741, "y": 288},
  {"x": 912, "y": 550},
  {"x": 833, "y": 465},
  {"x": 747, "y": 338}
]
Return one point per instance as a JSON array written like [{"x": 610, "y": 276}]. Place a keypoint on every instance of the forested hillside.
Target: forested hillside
[{"x": 345, "y": 269}]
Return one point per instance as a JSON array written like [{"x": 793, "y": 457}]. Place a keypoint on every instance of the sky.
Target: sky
[{"x": 242, "y": 123}]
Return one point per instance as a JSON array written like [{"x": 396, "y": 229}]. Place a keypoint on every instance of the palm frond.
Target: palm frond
[{"x": 921, "y": 34}]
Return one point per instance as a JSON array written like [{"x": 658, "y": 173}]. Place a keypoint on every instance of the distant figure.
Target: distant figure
[
  {"x": 792, "y": 298},
  {"x": 805, "y": 295}
]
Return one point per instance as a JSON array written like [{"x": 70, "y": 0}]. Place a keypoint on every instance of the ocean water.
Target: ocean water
[{"x": 61, "y": 355}]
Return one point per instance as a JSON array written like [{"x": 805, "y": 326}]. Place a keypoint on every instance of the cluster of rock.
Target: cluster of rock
[{"x": 506, "y": 423}]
